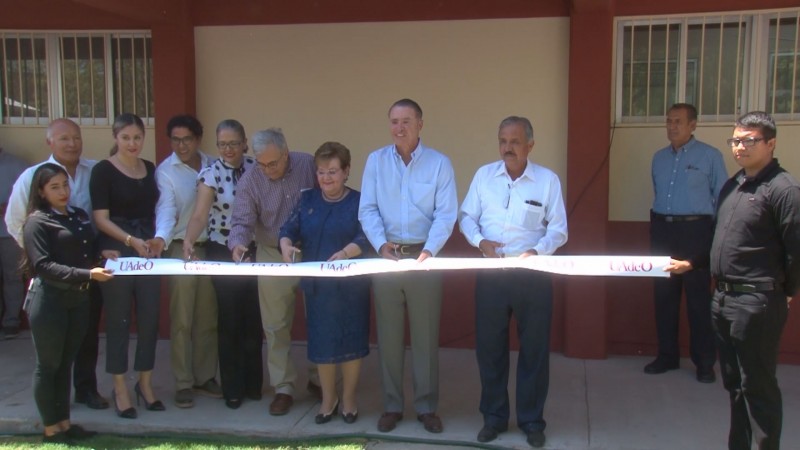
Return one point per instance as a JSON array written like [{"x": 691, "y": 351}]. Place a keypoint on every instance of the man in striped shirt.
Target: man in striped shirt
[{"x": 265, "y": 196}]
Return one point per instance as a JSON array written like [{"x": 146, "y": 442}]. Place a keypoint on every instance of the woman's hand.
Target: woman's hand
[
  {"x": 101, "y": 274},
  {"x": 110, "y": 254},
  {"x": 141, "y": 247},
  {"x": 341, "y": 254}
]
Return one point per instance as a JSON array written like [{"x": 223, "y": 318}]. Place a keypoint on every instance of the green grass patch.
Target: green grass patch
[{"x": 170, "y": 443}]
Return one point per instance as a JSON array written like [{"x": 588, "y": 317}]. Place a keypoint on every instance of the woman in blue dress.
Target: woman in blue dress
[{"x": 324, "y": 226}]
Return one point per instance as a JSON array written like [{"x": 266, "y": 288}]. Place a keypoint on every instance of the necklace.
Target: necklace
[{"x": 335, "y": 199}]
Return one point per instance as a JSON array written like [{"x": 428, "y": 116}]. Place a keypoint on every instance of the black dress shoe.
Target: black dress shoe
[
  {"x": 233, "y": 403},
  {"x": 92, "y": 399},
  {"x": 58, "y": 438},
  {"x": 314, "y": 389},
  {"x": 706, "y": 375},
  {"x": 487, "y": 434},
  {"x": 77, "y": 432},
  {"x": 535, "y": 438},
  {"x": 660, "y": 365}
]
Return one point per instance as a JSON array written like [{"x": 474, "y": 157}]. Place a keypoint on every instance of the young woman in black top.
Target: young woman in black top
[
  {"x": 124, "y": 195},
  {"x": 58, "y": 242}
]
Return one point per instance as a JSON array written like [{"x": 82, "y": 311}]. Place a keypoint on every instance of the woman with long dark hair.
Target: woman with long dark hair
[
  {"x": 58, "y": 241},
  {"x": 124, "y": 195}
]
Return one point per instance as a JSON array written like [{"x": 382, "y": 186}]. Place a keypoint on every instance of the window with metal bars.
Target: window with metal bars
[
  {"x": 724, "y": 64},
  {"x": 89, "y": 77}
]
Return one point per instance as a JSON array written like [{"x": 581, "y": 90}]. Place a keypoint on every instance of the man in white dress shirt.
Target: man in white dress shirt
[
  {"x": 193, "y": 303},
  {"x": 408, "y": 209},
  {"x": 514, "y": 209},
  {"x": 66, "y": 144}
]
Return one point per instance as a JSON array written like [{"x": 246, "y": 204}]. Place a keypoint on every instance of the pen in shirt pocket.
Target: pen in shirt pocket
[{"x": 533, "y": 203}]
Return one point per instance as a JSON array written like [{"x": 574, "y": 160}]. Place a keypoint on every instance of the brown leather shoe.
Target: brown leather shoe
[
  {"x": 281, "y": 404},
  {"x": 432, "y": 422},
  {"x": 388, "y": 421}
]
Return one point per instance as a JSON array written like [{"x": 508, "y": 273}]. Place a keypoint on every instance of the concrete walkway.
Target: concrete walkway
[{"x": 608, "y": 404}]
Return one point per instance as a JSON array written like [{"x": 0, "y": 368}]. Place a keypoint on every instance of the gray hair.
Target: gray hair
[
  {"x": 270, "y": 136},
  {"x": 516, "y": 120}
]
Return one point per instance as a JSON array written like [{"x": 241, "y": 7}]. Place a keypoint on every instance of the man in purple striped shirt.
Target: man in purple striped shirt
[{"x": 265, "y": 196}]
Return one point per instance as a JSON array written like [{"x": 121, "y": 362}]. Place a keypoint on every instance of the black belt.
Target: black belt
[
  {"x": 68, "y": 286},
  {"x": 665, "y": 218},
  {"x": 408, "y": 250},
  {"x": 745, "y": 287}
]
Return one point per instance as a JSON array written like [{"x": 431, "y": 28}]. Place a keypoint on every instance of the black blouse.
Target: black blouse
[
  {"x": 59, "y": 246},
  {"x": 122, "y": 196}
]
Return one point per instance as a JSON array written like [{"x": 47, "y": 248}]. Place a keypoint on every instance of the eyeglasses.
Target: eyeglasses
[
  {"x": 330, "y": 173},
  {"x": 271, "y": 165},
  {"x": 186, "y": 140},
  {"x": 746, "y": 142},
  {"x": 222, "y": 145}
]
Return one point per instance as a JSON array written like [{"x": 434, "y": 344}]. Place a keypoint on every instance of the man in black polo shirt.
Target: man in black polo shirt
[{"x": 755, "y": 260}]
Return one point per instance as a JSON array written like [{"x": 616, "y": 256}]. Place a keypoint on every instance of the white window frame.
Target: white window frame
[
  {"x": 755, "y": 57},
  {"x": 55, "y": 82}
]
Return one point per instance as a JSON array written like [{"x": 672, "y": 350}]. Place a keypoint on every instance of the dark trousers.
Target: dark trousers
[
  {"x": 84, "y": 377},
  {"x": 682, "y": 240},
  {"x": 528, "y": 296},
  {"x": 748, "y": 329},
  {"x": 118, "y": 295},
  {"x": 239, "y": 327},
  {"x": 58, "y": 319}
]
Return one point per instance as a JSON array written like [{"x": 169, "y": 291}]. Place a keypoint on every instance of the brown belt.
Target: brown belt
[{"x": 408, "y": 250}]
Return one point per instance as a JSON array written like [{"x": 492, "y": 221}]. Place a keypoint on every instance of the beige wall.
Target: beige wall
[
  {"x": 631, "y": 187},
  {"x": 336, "y": 82},
  {"x": 29, "y": 142}
]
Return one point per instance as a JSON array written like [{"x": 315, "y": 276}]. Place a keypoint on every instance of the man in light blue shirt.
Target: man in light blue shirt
[
  {"x": 408, "y": 209},
  {"x": 687, "y": 178}
]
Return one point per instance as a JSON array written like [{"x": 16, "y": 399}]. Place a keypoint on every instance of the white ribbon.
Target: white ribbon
[{"x": 625, "y": 266}]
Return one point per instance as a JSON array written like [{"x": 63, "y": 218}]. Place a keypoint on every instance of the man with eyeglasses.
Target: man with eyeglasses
[
  {"x": 193, "y": 304},
  {"x": 265, "y": 197},
  {"x": 514, "y": 209},
  {"x": 755, "y": 261},
  {"x": 687, "y": 177},
  {"x": 408, "y": 209},
  {"x": 66, "y": 146}
]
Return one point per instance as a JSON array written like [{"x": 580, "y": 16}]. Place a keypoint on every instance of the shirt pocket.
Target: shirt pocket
[{"x": 530, "y": 216}]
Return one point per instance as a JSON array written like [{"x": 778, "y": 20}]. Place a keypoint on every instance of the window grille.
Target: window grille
[
  {"x": 90, "y": 77},
  {"x": 724, "y": 64}
]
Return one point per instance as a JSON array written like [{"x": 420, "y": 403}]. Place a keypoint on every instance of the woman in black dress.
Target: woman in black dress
[{"x": 58, "y": 241}]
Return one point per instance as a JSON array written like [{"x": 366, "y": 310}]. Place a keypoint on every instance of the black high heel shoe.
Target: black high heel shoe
[
  {"x": 350, "y": 417},
  {"x": 155, "y": 406},
  {"x": 129, "y": 413},
  {"x": 325, "y": 418}
]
